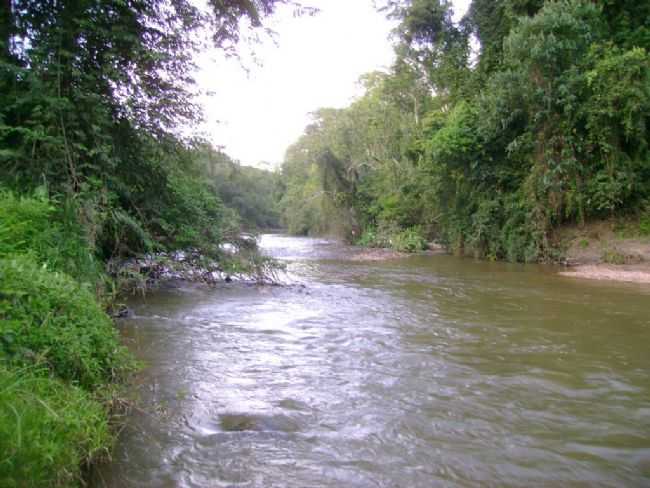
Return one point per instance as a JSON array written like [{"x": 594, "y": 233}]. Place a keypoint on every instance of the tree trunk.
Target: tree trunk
[{"x": 6, "y": 28}]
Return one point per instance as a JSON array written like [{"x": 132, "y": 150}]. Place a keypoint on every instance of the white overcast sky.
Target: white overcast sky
[{"x": 313, "y": 62}]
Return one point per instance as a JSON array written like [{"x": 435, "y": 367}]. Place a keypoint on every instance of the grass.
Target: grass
[
  {"x": 402, "y": 240},
  {"x": 51, "y": 234},
  {"x": 644, "y": 224},
  {"x": 60, "y": 358},
  {"x": 48, "y": 430},
  {"x": 409, "y": 240},
  {"x": 613, "y": 256},
  {"x": 48, "y": 319},
  {"x": 633, "y": 227}
]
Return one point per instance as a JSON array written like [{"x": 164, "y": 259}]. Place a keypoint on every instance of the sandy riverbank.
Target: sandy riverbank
[
  {"x": 384, "y": 254},
  {"x": 595, "y": 252},
  {"x": 377, "y": 254},
  {"x": 600, "y": 252},
  {"x": 630, "y": 273}
]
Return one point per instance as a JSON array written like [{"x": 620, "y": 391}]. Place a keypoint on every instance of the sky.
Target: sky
[{"x": 256, "y": 109}]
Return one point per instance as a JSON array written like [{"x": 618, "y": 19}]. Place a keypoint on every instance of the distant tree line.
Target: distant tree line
[{"x": 487, "y": 134}]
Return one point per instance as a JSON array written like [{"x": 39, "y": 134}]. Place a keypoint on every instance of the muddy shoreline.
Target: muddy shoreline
[
  {"x": 578, "y": 267},
  {"x": 602, "y": 251},
  {"x": 609, "y": 272}
]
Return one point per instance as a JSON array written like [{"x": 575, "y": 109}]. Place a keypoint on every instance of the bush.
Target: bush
[
  {"x": 50, "y": 234},
  {"x": 48, "y": 430},
  {"x": 370, "y": 238},
  {"x": 409, "y": 240},
  {"x": 47, "y": 318}
]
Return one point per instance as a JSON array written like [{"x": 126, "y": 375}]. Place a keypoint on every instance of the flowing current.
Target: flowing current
[{"x": 424, "y": 371}]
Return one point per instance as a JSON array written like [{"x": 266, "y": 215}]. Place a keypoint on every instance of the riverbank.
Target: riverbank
[
  {"x": 61, "y": 371},
  {"x": 370, "y": 254},
  {"x": 630, "y": 274},
  {"x": 607, "y": 250},
  {"x": 62, "y": 365},
  {"x": 61, "y": 361}
]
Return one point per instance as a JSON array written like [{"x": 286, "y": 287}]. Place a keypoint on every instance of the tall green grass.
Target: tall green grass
[
  {"x": 48, "y": 319},
  {"x": 48, "y": 431},
  {"x": 59, "y": 352},
  {"x": 49, "y": 233}
]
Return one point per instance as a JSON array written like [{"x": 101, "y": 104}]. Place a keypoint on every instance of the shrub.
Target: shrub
[
  {"x": 369, "y": 238},
  {"x": 409, "y": 240},
  {"x": 32, "y": 225},
  {"x": 48, "y": 430},
  {"x": 613, "y": 256},
  {"x": 193, "y": 217},
  {"x": 49, "y": 319}
]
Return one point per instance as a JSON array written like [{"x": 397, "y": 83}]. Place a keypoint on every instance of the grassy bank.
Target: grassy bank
[{"x": 60, "y": 357}]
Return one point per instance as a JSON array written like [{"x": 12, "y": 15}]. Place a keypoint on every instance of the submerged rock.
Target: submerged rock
[
  {"x": 121, "y": 312},
  {"x": 238, "y": 422}
]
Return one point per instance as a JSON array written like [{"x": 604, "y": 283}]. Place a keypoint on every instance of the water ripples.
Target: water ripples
[{"x": 413, "y": 373}]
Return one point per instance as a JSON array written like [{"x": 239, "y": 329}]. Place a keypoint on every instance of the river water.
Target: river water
[{"x": 418, "y": 372}]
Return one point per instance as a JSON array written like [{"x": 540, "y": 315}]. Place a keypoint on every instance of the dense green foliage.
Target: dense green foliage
[
  {"x": 94, "y": 100},
  {"x": 247, "y": 190},
  {"x": 59, "y": 351},
  {"x": 50, "y": 233},
  {"x": 47, "y": 318},
  {"x": 487, "y": 150},
  {"x": 48, "y": 430}
]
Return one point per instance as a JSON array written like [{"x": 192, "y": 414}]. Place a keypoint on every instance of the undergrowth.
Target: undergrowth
[
  {"x": 403, "y": 240},
  {"x": 48, "y": 430},
  {"x": 49, "y": 233},
  {"x": 61, "y": 363},
  {"x": 49, "y": 319},
  {"x": 60, "y": 358}
]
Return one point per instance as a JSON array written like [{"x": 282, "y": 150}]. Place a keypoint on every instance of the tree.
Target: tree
[
  {"x": 92, "y": 96},
  {"x": 491, "y": 21},
  {"x": 429, "y": 39}
]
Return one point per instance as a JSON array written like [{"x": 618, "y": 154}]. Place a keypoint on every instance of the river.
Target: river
[{"x": 418, "y": 372}]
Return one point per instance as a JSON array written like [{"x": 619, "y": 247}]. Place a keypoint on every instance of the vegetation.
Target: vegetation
[
  {"x": 59, "y": 351},
  {"x": 50, "y": 320},
  {"x": 49, "y": 430},
  {"x": 96, "y": 167},
  {"x": 50, "y": 234},
  {"x": 487, "y": 134},
  {"x": 95, "y": 96},
  {"x": 248, "y": 191}
]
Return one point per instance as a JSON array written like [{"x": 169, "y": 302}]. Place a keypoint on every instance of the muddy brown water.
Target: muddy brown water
[{"x": 418, "y": 372}]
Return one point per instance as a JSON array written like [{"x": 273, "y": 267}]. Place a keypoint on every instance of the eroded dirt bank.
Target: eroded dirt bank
[{"x": 606, "y": 251}]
